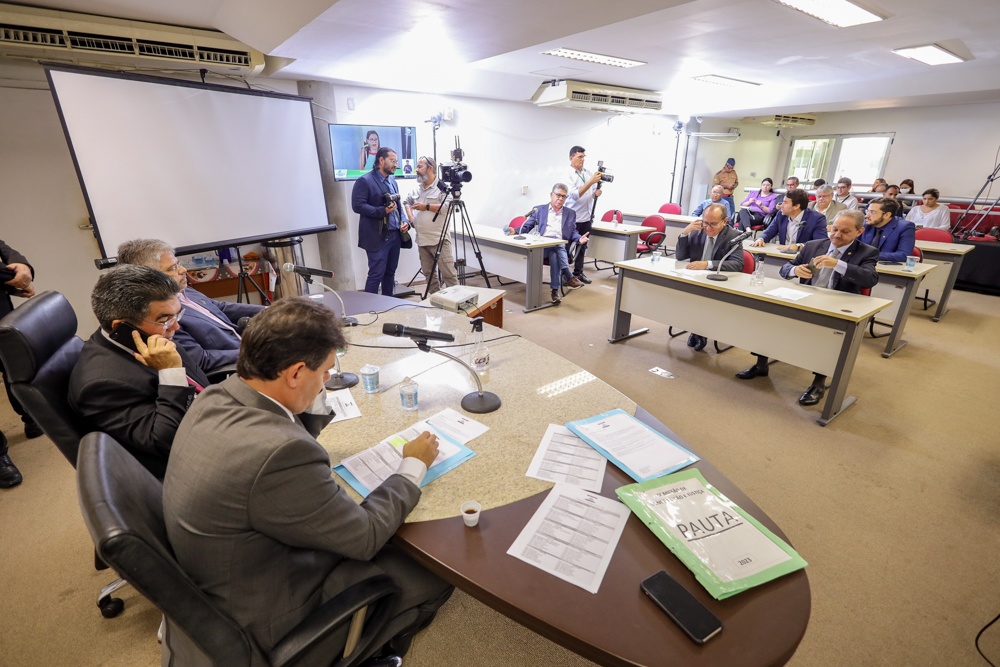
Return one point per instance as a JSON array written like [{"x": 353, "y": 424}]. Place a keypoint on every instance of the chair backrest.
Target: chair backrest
[
  {"x": 865, "y": 291},
  {"x": 654, "y": 221},
  {"x": 122, "y": 506},
  {"x": 939, "y": 235},
  {"x": 612, "y": 216},
  {"x": 39, "y": 348},
  {"x": 749, "y": 260},
  {"x": 675, "y": 209},
  {"x": 918, "y": 254},
  {"x": 516, "y": 223}
]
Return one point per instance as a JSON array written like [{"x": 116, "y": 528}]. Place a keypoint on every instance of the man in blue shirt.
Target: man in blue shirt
[
  {"x": 893, "y": 236},
  {"x": 382, "y": 221},
  {"x": 716, "y": 198}
]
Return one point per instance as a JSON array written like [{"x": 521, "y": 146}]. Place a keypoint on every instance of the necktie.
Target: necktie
[
  {"x": 709, "y": 249},
  {"x": 825, "y": 276}
]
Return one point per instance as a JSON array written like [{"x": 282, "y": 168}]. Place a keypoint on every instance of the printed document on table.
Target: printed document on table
[
  {"x": 562, "y": 457},
  {"x": 343, "y": 405},
  {"x": 788, "y": 293},
  {"x": 458, "y": 427},
  {"x": 637, "y": 449},
  {"x": 573, "y": 536}
]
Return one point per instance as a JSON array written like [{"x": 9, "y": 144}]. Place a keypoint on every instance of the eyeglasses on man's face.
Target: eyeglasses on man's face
[{"x": 166, "y": 324}]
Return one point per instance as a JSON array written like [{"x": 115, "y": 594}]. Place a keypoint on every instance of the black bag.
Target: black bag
[{"x": 405, "y": 241}]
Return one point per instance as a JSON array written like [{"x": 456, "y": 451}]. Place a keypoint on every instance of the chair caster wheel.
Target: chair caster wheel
[{"x": 110, "y": 607}]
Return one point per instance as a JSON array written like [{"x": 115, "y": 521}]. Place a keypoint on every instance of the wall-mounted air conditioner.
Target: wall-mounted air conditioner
[
  {"x": 782, "y": 120},
  {"x": 597, "y": 97}
]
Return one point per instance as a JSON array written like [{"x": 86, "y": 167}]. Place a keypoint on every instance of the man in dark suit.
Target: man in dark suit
[
  {"x": 209, "y": 333},
  {"x": 795, "y": 224},
  {"x": 382, "y": 222},
  {"x": 131, "y": 380},
  {"x": 252, "y": 511},
  {"x": 558, "y": 222},
  {"x": 705, "y": 242},
  {"x": 18, "y": 282},
  {"x": 842, "y": 263},
  {"x": 892, "y": 235}
]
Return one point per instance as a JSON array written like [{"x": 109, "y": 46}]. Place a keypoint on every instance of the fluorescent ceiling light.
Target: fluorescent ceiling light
[
  {"x": 931, "y": 54},
  {"x": 839, "y": 13},
  {"x": 725, "y": 81},
  {"x": 593, "y": 58}
]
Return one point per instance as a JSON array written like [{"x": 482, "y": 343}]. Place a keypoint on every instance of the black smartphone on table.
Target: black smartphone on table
[
  {"x": 684, "y": 609},
  {"x": 122, "y": 334}
]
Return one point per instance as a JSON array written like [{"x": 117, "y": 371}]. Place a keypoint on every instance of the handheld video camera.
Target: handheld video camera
[
  {"x": 453, "y": 174},
  {"x": 605, "y": 177}
]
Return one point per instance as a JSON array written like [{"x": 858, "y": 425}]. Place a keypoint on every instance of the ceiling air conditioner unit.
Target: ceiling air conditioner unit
[
  {"x": 782, "y": 120},
  {"x": 44, "y": 34},
  {"x": 597, "y": 97}
]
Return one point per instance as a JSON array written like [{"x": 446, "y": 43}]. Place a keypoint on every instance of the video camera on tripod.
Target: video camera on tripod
[{"x": 455, "y": 173}]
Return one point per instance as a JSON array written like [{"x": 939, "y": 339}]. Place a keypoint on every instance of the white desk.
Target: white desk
[
  {"x": 821, "y": 333},
  {"x": 949, "y": 256},
  {"x": 896, "y": 283},
  {"x": 675, "y": 224},
  {"x": 519, "y": 260},
  {"x": 613, "y": 243}
]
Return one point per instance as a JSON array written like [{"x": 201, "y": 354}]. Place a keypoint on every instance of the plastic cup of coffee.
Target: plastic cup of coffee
[{"x": 470, "y": 513}]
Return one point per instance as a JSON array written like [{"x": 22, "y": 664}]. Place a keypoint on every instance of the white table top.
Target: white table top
[
  {"x": 949, "y": 248},
  {"x": 497, "y": 234},
  {"x": 771, "y": 250},
  {"x": 623, "y": 229}
]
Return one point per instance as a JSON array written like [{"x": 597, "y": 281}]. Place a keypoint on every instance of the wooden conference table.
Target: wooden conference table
[
  {"x": 821, "y": 332},
  {"x": 618, "y": 626}
]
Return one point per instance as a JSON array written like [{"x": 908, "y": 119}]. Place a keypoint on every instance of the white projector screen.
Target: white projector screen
[{"x": 199, "y": 166}]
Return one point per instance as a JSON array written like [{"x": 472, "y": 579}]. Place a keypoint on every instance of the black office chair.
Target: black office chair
[
  {"x": 123, "y": 509},
  {"x": 39, "y": 348}
]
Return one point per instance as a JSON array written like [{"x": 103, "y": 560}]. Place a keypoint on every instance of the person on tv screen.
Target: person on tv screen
[{"x": 368, "y": 151}]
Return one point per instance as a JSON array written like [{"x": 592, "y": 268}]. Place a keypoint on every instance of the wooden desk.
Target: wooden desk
[
  {"x": 821, "y": 333},
  {"x": 490, "y": 305},
  {"x": 896, "y": 283},
  {"x": 609, "y": 241},
  {"x": 949, "y": 256},
  {"x": 504, "y": 256},
  {"x": 618, "y": 626}
]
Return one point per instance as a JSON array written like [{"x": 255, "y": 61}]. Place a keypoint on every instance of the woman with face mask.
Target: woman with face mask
[{"x": 906, "y": 187}]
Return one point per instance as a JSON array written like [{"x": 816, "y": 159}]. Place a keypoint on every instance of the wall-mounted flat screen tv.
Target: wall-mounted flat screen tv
[{"x": 354, "y": 148}]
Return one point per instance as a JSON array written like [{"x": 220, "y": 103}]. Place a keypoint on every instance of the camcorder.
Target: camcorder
[
  {"x": 390, "y": 198},
  {"x": 452, "y": 175},
  {"x": 605, "y": 177}
]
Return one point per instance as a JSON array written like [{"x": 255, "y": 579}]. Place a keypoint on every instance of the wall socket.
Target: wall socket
[{"x": 524, "y": 189}]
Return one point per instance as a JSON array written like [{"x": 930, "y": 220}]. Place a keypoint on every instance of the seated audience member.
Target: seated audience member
[
  {"x": 795, "y": 223},
  {"x": 879, "y": 185},
  {"x": 704, "y": 243},
  {"x": 558, "y": 222},
  {"x": 842, "y": 194},
  {"x": 893, "y": 236},
  {"x": 208, "y": 333},
  {"x": 252, "y": 512},
  {"x": 824, "y": 203},
  {"x": 131, "y": 380},
  {"x": 758, "y": 205},
  {"x": 716, "y": 198},
  {"x": 892, "y": 192},
  {"x": 930, "y": 214},
  {"x": 791, "y": 183},
  {"x": 842, "y": 263},
  {"x": 906, "y": 187}
]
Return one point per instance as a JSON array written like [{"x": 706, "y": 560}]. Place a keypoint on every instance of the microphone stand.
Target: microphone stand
[
  {"x": 718, "y": 276},
  {"x": 340, "y": 380},
  {"x": 344, "y": 319},
  {"x": 477, "y": 402}
]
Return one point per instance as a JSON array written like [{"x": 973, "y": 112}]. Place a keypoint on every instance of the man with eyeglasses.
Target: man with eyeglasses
[
  {"x": 382, "y": 221},
  {"x": 209, "y": 333},
  {"x": 558, "y": 222},
  {"x": 791, "y": 183},
  {"x": 843, "y": 194},
  {"x": 131, "y": 381},
  {"x": 704, "y": 243},
  {"x": 423, "y": 207}
]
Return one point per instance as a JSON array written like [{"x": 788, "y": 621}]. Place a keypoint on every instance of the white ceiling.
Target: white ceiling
[{"x": 491, "y": 48}]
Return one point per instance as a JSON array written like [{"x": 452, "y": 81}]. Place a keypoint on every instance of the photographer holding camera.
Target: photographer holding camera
[
  {"x": 376, "y": 199},
  {"x": 584, "y": 188},
  {"x": 422, "y": 207}
]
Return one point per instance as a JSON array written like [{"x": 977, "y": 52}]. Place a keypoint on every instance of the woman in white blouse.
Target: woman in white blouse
[{"x": 931, "y": 214}]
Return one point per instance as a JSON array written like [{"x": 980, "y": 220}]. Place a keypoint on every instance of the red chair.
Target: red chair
[
  {"x": 938, "y": 235},
  {"x": 956, "y": 213},
  {"x": 650, "y": 241},
  {"x": 516, "y": 223},
  {"x": 674, "y": 209},
  {"x": 612, "y": 216}
]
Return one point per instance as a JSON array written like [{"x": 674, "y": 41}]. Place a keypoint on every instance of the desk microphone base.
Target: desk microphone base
[
  {"x": 342, "y": 381},
  {"x": 717, "y": 276},
  {"x": 480, "y": 404}
]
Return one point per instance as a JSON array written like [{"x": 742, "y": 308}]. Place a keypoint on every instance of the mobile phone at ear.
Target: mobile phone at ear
[
  {"x": 122, "y": 334},
  {"x": 684, "y": 609}
]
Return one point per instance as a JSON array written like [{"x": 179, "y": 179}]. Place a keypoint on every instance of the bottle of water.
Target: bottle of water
[
  {"x": 757, "y": 277},
  {"x": 479, "y": 358}
]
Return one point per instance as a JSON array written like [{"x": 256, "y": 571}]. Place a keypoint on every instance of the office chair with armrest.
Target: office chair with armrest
[
  {"x": 612, "y": 215},
  {"x": 122, "y": 506},
  {"x": 650, "y": 241},
  {"x": 39, "y": 348},
  {"x": 675, "y": 209}
]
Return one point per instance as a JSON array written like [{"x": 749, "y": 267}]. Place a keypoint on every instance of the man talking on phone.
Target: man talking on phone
[{"x": 131, "y": 380}]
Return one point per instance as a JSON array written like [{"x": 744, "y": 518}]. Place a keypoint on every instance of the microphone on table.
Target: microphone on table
[
  {"x": 521, "y": 237},
  {"x": 735, "y": 244},
  {"x": 307, "y": 275},
  {"x": 741, "y": 238},
  {"x": 400, "y": 330}
]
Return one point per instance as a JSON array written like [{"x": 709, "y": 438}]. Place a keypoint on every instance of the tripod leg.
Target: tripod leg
[{"x": 471, "y": 234}]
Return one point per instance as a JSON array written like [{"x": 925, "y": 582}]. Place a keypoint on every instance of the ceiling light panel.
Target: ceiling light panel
[
  {"x": 593, "y": 58},
  {"x": 725, "y": 81},
  {"x": 931, "y": 54},
  {"x": 839, "y": 13}
]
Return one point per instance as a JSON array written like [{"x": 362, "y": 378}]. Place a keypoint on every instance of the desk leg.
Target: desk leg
[
  {"x": 956, "y": 264},
  {"x": 836, "y": 397},
  {"x": 896, "y": 343},
  {"x": 622, "y": 319},
  {"x": 533, "y": 281},
  {"x": 631, "y": 243}
]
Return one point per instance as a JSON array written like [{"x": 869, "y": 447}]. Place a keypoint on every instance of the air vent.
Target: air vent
[
  {"x": 597, "y": 97},
  {"x": 782, "y": 120}
]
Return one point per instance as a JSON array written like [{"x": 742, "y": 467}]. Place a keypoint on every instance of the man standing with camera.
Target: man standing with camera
[
  {"x": 584, "y": 188},
  {"x": 422, "y": 206},
  {"x": 376, "y": 199}
]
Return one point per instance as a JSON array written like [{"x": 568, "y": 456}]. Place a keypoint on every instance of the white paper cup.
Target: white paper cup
[{"x": 470, "y": 513}]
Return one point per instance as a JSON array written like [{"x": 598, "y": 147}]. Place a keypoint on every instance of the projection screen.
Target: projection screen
[{"x": 199, "y": 166}]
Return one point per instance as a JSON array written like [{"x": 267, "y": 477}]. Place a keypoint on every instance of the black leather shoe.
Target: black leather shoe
[
  {"x": 700, "y": 344},
  {"x": 9, "y": 474},
  {"x": 584, "y": 279},
  {"x": 812, "y": 395},
  {"x": 32, "y": 430},
  {"x": 692, "y": 340},
  {"x": 555, "y": 296},
  {"x": 754, "y": 371}
]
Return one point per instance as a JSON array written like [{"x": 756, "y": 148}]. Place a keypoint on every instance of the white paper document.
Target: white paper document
[
  {"x": 564, "y": 458},
  {"x": 457, "y": 426},
  {"x": 573, "y": 536},
  {"x": 343, "y": 405},
  {"x": 788, "y": 293},
  {"x": 643, "y": 451}
]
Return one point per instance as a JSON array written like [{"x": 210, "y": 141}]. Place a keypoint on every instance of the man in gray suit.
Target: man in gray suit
[{"x": 252, "y": 511}]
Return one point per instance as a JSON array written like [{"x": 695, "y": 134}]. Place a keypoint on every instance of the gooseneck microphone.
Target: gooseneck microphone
[
  {"x": 527, "y": 216},
  {"x": 307, "y": 275},
  {"x": 735, "y": 244},
  {"x": 398, "y": 330},
  {"x": 306, "y": 271},
  {"x": 741, "y": 238}
]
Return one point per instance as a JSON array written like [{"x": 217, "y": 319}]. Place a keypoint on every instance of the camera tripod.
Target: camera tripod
[{"x": 456, "y": 208}]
